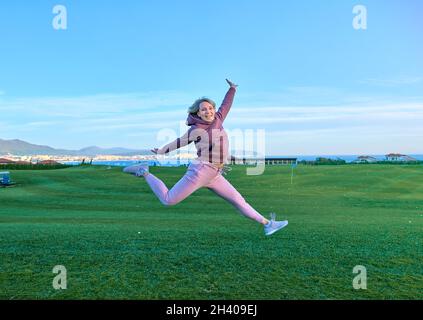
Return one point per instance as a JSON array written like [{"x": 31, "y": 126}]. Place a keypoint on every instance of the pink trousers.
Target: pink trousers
[{"x": 198, "y": 175}]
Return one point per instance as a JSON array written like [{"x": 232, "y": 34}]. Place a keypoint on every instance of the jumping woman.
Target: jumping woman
[{"x": 211, "y": 142}]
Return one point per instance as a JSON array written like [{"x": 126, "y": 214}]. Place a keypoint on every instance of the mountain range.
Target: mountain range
[{"x": 19, "y": 147}]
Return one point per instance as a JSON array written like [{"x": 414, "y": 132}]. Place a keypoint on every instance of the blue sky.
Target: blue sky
[{"x": 124, "y": 71}]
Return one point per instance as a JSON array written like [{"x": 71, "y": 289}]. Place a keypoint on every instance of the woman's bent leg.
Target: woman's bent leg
[
  {"x": 195, "y": 178},
  {"x": 224, "y": 189}
]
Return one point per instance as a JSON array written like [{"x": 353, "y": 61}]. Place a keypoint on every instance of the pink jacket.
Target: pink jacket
[{"x": 211, "y": 140}]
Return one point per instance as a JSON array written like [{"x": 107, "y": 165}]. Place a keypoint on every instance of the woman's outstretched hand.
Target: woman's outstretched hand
[
  {"x": 231, "y": 84},
  {"x": 155, "y": 150}
]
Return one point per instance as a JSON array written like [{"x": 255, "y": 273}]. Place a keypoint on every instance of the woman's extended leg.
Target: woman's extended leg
[
  {"x": 182, "y": 189},
  {"x": 224, "y": 189},
  {"x": 194, "y": 178}
]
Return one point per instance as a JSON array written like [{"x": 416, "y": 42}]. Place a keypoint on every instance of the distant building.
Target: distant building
[
  {"x": 399, "y": 157},
  {"x": 150, "y": 163},
  {"x": 365, "y": 159},
  {"x": 48, "y": 162}
]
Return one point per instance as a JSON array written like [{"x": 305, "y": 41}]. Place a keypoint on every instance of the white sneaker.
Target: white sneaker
[
  {"x": 273, "y": 225},
  {"x": 137, "y": 169}
]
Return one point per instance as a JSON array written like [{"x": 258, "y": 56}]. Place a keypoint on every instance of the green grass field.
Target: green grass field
[{"x": 117, "y": 241}]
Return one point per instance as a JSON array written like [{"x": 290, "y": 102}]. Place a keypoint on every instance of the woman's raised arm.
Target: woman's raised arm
[{"x": 227, "y": 101}]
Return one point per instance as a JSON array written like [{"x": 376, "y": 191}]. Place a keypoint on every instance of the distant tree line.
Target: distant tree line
[
  {"x": 323, "y": 161},
  {"x": 33, "y": 166},
  {"x": 338, "y": 161},
  {"x": 395, "y": 162}
]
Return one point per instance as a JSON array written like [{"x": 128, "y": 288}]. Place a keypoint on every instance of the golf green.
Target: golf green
[{"x": 117, "y": 241}]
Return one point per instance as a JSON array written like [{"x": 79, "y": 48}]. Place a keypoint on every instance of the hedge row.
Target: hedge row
[{"x": 33, "y": 166}]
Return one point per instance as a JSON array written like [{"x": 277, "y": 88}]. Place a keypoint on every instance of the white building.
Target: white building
[{"x": 399, "y": 157}]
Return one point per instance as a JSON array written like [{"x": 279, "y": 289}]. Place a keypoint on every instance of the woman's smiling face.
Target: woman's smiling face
[{"x": 206, "y": 111}]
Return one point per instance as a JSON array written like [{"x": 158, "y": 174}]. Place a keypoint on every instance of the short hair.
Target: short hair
[{"x": 196, "y": 105}]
